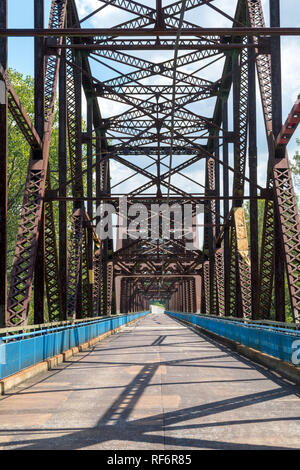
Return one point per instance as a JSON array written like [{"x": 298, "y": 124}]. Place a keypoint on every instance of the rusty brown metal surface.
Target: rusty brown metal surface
[
  {"x": 27, "y": 240},
  {"x": 164, "y": 142}
]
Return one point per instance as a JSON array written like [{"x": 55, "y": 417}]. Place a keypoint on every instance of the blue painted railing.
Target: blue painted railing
[
  {"x": 23, "y": 350},
  {"x": 281, "y": 343}
]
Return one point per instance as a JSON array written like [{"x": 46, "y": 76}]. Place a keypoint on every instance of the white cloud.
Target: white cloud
[
  {"x": 290, "y": 72},
  {"x": 84, "y": 7},
  {"x": 104, "y": 18},
  {"x": 111, "y": 108},
  {"x": 120, "y": 172}
]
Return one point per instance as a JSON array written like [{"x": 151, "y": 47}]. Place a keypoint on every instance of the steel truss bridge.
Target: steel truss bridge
[{"x": 184, "y": 128}]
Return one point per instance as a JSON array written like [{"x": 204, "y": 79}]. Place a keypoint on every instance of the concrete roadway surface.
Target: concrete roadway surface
[{"x": 156, "y": 385}]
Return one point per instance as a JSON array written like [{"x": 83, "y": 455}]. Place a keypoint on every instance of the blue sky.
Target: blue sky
[{"x": 21, "y": 52}]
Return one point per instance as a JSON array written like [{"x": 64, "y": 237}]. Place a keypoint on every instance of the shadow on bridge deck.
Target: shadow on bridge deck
[{"x": 156, "y": 385}]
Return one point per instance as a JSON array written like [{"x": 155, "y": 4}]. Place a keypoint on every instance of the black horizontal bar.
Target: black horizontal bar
[{"x": 87, "y": 32}]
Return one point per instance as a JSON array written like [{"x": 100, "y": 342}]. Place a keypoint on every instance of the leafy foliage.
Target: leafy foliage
[
  {"x": 158, "y": 303},
  {"x": 260, "y": 210},
  {"x": 295, "y": 166},
  {"x": 18, "y": 157}
]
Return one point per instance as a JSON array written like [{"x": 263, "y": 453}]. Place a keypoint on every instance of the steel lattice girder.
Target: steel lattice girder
[
  {"x": 27, "y": 240},
  {"x": 150, "y": 114}
]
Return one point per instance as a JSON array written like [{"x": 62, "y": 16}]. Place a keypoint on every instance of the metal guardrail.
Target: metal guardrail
[
  {"x": 9, "y": 330},
  {"x": 277, "y": 342},
  {"x": 273, "y": 323},
  {"x": 22, "y": 350}
]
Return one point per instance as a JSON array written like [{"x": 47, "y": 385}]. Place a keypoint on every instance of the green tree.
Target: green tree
[
  {"x": 260, "y": 210},
  {"x": 295, "y": 166},
  {"x": 158, "y": 303},
  {"x": 18, "y": 156}
]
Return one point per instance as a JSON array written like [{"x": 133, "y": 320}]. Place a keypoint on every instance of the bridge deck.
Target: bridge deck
[{"x": 156, "y": 385}]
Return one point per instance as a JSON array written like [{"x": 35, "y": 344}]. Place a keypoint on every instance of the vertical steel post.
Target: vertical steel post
[
  {"x": 180, "y": 298},
  {"x": 179, "y": 307},
  {"x": 236, "y": 72},
  {"x": 276, "y": 69},
  {"x": 99, "y": 304},
  {"x": 237, "y": 202},
  {"x": 159, "y": 14},
  {"x": 79, "y": 306},
  {"x": 90, "y": 155},
  {"x": 192, "y": 294},
  {"x": 253, "y": 180},
  {"x": 217, "y": 187},
  {"x": 186, "y": 295},
  {"x": 127, "y": 298},
  {"x": 39, "y": 70},
  {"x": 211, "y": 251},
  {"x": 39, "y": 111},
  {"x": 3, "y": 169},
  {"x": 130, "y": 309},
  {"x": 123, "y": 296},
  {"x": 90, "y": 203},
  {"x": 276, "y": 125},
  {"x": 62, "y": 175},
  {"x": 226, "y": 206},
  {"x": 118, "y": 281},
  {"x": 78, "y": 170}
]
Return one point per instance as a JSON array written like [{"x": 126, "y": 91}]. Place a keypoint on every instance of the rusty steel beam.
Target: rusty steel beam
[
  {"x": 39, "y": 112},
  {"x": 3, "y": 166},
  {"x": 253, "y": 209},
  {"x": 62, "y": 166},
  {"x": 87, "y": 32},
  {"x": 220, "y": 279},
  {"x": 27, "y": 241},
  {"x": 49, "y": 250},
  {"x": 267, "y": 255},
  {"x": 145, "y": 45},
  {"x": 276, "y": 126}
]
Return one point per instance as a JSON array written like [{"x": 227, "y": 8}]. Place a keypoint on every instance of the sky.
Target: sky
[{"x": 20, "y": 15}]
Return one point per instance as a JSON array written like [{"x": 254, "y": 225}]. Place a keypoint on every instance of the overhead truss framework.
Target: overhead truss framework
[{"x": 161, "y": 109}]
